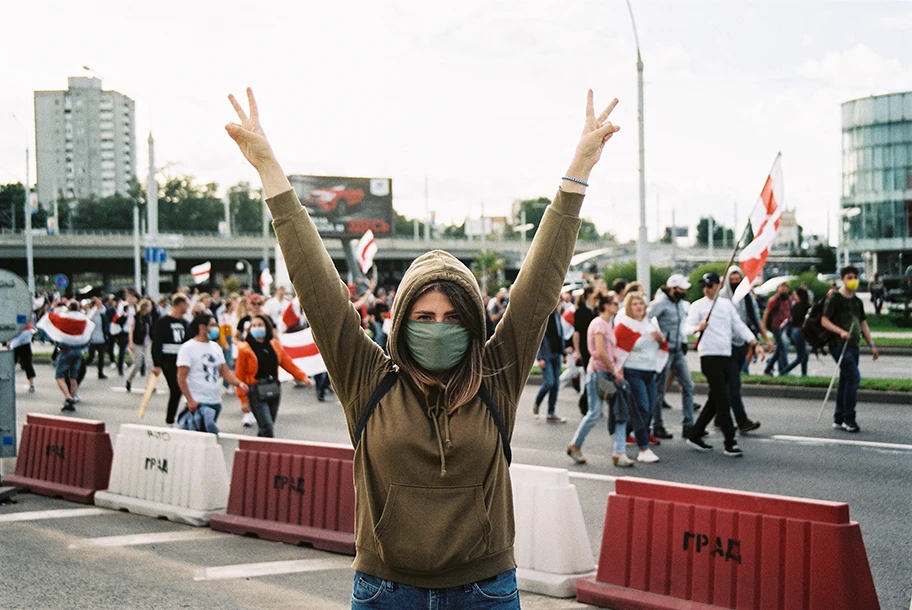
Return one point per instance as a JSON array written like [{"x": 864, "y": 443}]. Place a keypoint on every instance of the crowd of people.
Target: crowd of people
[{"x": 622, "y": 351}]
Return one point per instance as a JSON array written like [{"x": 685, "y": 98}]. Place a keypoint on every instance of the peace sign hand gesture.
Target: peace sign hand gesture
[
  {"x": 249, "y": 134},
  {"x": 596, "y": 131}
]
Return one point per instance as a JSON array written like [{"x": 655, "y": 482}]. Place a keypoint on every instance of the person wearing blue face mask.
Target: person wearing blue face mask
[
  {"x": 200, "y": 364},
  {"x": 258, "y": 362},
  {"x": 431, "y": 421}
]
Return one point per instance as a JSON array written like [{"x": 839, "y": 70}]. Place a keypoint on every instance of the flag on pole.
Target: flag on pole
[
  {"x": 627, "y": 336},
  {"x": 265, "y": 281},
  {"x": 201, "y": 272},
  {"x": 365, "y": 251},
  {"x": 765, "y": 223},
  {"x": 292, "y": 317},
  {"x": 301, "y": 348},
  {"x": 69, "y": 328}
]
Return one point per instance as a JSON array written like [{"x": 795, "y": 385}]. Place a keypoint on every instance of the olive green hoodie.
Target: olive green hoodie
[{"x": 434, "y": 506}]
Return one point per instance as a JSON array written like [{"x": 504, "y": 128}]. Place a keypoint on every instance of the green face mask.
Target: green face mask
[{"x": 436, "y": 346}]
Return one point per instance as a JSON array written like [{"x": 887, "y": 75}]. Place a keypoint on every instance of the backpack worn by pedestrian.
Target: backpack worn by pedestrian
[{"x": 816, "y": 335}]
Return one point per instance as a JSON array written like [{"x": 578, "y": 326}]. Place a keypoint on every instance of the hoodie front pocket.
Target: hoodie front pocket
[{"x": 429, "y": 529}]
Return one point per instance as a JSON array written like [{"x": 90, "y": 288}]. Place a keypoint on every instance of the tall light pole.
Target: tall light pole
[
  {"x": 642, "y": 250},
  {"x": 29, "y": 249},
  {"x": 152, "y": 222}
]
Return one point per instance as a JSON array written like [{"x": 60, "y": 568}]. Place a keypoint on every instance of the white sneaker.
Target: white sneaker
[
  {"x": 647, "y": 456},
  {"x": 249, "y": 420}
]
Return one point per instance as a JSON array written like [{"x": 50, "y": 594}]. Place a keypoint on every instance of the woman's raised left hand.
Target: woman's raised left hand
[{"x": 597, "y": 130}]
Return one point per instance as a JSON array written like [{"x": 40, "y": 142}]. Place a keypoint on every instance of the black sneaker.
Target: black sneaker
[
  {"x": 733, "y": 451},
  {"x": 128, "y": 386},
  {"x": 850, "y": 427},
  {"x": 698, "y": 444},
  {"x": 748, "y": 426},
  {"x": 661, "y": 432},
  {"x": 68, "y": 405},
  {"x": 665, "y": 405},
  {"x": 102, "y": 376}
]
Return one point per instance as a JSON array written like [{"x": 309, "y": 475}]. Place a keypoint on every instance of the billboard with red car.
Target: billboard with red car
[{"x": 345, "y": 206}]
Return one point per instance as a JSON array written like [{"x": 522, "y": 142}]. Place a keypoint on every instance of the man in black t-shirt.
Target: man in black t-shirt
[{"x": 844, "y": 316}]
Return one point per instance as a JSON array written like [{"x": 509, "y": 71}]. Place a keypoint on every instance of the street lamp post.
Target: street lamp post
[
  {"x": 845, "y": 216},
  {"x": 29, "y": 249},
  {"x": 642, "y": 249}
]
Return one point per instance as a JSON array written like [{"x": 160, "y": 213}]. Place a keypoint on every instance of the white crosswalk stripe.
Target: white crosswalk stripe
[
  {"x": 66, "y": 513},
  {"x": 153, "y": 538},
  {"x": 270, "y": 568},
  {"x": 840, "y": 441}
]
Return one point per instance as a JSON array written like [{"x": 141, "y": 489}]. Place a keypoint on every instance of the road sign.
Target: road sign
[
  {"x": 164, "y": 240},
  {"x": 61, "y": 281},
  {"x": 156, "y": 255}
]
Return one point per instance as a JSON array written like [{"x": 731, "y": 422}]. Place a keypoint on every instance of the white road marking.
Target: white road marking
[
  {"x": 137, "y": 539},
  {"x": 592, "y": 476},
  {"x": 66, "y": 513},
  {"x": 269, "y": 568},
  {"x": 839, "y": 441}
]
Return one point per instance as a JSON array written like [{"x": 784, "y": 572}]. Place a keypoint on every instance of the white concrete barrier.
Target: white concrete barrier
[
  {"x": 166, "y": 472},
  {"x": 552, "y": 547}
]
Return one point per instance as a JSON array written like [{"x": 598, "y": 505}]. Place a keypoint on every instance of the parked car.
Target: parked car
[{"x": 336, "y": 199}]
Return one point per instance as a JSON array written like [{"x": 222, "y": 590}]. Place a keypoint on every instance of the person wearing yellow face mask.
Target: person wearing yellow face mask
[{"x": 843, "y": 315}]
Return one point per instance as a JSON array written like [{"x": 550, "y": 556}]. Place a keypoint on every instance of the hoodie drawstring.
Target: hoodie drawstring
[{"x": 443, "y": 442}]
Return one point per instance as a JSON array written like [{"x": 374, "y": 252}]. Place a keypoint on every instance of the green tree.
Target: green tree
[
  {"x": 246, "y": 208},
  {"x": 488, "y": 268},
  {"x": 114, "y": 213},
  {"x": 12, "y": 206},
  {"x": 454, "y": 232},
  {"x": 721, "y": 235},
  {"x": 185, "y": 207},
  {"x": 827, "y": 256},
  {"x": 588, "y": 231},
  {"x": 628, "y": 271}
]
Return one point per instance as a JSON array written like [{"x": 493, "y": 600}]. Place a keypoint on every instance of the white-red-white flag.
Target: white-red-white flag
[
  {"x": 201, "y": 272},
  {"x": 765, "y": 223},
  {"x": 365, "y": 251},
  {"x": 69, "y": 328},
  {"x": 293, "y": 316},
  {"x": 627, "y": 337},
  {"x": 301, "y": 348}
]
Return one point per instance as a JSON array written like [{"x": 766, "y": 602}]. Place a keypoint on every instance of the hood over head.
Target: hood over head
[
  {"x": 433, "y": 266},
  {"x": 726, "y": 290}
]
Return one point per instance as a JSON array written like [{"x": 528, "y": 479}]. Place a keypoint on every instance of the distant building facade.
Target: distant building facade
[
  {"x": 787, "y": 237},
  {"x": 877, "y": 179},
  {"x": 85, "y": 142}
]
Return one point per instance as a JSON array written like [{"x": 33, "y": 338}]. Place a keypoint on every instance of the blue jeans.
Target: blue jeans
[
  {"x": 801, "y": 352},
  {"x": 780, "y": 356},
  {"x": 68, "y": 363},
  {"x": 677, "y": 366},
  {"x": 550, "y": 382},
  {"x": 593, "y": 414},
  {"x": 849, "y": 377},
  {"x": 497, "y": 593},
  {"x": 643, "y": 390}
]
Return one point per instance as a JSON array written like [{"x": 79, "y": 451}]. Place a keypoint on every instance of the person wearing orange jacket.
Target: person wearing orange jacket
[{"x": 258, "y": 361}]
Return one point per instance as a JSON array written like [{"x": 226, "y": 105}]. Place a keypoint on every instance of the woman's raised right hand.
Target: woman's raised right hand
[{"x": 249, "y": 134}]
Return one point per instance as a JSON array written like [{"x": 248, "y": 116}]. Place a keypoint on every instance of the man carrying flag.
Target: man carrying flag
[
  {"x": 715, "y": 349},
  {"x": 71, "y": 330}
]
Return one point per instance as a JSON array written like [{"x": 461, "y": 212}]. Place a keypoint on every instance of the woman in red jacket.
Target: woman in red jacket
[{"x": 257, "y": 365}]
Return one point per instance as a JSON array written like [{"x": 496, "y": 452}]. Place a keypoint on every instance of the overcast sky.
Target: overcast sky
[{"x": 483, "y": 98}]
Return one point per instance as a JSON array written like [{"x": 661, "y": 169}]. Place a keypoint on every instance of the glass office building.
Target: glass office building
[{"x": 877, "y": 179}]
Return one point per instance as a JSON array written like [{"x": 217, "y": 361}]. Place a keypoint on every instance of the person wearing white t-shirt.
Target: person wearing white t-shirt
[{"x": 200, "y": 365}]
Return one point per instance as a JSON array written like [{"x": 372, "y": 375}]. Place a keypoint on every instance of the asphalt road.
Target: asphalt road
[{"x": 74, "y": 561}]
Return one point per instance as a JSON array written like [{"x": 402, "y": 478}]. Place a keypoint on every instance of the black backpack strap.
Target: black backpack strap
[
  {"x": 385, "y": 384},
  {"x": 498, "y": 421}
]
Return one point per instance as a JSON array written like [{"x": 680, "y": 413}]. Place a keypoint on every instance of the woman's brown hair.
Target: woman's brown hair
[
  {"x": 461, "y": 383},
  {"x": 628, "y": 301}
]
